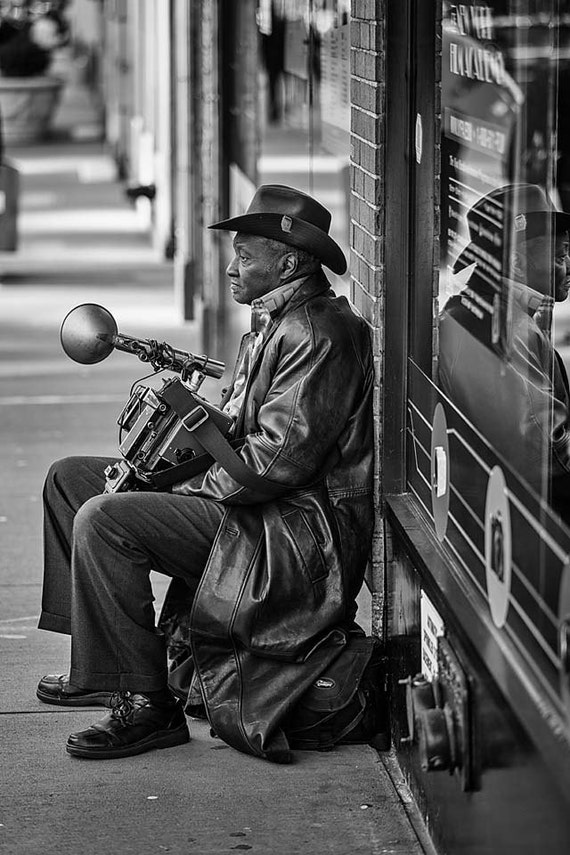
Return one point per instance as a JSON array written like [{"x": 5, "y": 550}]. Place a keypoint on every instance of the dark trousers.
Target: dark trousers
[{"x": 99, "y": 550}]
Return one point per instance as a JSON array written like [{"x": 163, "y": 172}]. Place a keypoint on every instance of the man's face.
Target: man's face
[
  {"x": 256, "y": 267},
  {"x": 548, "y": 265}
]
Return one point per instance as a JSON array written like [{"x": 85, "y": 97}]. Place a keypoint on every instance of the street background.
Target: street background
[{"x": 81, "y": 241}]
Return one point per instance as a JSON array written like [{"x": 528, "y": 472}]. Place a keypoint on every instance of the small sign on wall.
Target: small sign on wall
[
  {"x": 432, "y": 627},
  {"x": 419, "y": 138}
]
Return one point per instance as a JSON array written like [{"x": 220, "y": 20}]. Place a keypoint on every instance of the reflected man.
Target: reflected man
[{"x": 496, "y": 361}]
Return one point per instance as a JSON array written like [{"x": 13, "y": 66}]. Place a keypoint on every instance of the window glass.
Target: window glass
[
  {"x": 504, "y": 271},
  {"x": 305, "y": 92},
  {"x": 488, "y": 454}
]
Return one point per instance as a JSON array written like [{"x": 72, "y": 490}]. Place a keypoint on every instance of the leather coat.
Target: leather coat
[{"x": 278, "y": 592}]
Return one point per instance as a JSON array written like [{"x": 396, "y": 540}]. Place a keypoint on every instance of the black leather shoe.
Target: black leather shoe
[
  {"x": 56, "y": 689},
  {"x": 134, "y": 725}
]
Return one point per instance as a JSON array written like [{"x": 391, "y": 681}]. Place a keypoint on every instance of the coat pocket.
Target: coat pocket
[{"x": 307, "y": 545}]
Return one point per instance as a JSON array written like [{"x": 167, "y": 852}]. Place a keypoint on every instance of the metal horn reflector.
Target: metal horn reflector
[{"x": 88, "y": 333}]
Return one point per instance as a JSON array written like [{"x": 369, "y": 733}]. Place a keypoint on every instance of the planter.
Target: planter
[{"x": 27, "y": 106}]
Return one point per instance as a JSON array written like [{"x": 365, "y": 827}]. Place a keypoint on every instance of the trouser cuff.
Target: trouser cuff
[
  {"x": 54, "y": 623},
  {"x": 120, "y": 682}
]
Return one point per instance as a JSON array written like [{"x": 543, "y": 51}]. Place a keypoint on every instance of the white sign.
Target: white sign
[
  {"x": 432, "y": 627},
  {"x": 419, "y": 138}
]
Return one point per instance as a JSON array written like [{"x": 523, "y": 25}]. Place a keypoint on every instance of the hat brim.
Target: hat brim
[
  {"x": 302, "y": 235},
  {"x": 471, "y": 254},
  {"x": 465, "y": 258}
]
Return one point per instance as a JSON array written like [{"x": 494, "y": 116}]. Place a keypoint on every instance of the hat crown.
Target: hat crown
[
  {"x": 515, "y": 211},
  {"x": 286, "y": 201},
  {"x": 516, "y": 199}
]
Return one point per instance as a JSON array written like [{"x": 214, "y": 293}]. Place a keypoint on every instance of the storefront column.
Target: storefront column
[
  {"x": 367, "y": 225},
  {"x": 211, "y": 177}
]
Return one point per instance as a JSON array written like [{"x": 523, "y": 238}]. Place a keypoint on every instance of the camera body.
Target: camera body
[{"x": 154, "y": 436}]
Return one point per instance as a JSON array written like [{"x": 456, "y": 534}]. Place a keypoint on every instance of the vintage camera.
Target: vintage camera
[
  {"x": 154, "y": 436},
  {"x": 156, "y": 425}
]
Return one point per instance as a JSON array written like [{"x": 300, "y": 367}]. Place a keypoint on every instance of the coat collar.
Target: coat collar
[
  {"x": 314, "y": 285},
  {"x": 311, "y": 286}
]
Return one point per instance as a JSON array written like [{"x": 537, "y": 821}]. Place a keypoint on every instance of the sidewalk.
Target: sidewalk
[
  {"x": 202, "y": 797},
  {"x": 73, "y": 210}
]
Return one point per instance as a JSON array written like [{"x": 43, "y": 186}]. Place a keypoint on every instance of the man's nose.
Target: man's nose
[{"x": 232, "y": 267}]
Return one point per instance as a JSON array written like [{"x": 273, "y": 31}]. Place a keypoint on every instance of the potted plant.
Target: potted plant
[{"x": 29, "y": 33}]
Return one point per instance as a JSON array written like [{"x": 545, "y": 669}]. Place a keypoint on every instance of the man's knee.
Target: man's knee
[
  {"x": 62, "y": 469},
  {"x": 72, "y": 480},
  {"x": 94, "y": 514},
  {"x": 58, "y": 475}
]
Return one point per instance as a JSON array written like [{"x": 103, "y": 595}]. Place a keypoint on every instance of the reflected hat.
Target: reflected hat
[
  {"x": 291, "y": 217},
  {"x": 523, "y": 208}
]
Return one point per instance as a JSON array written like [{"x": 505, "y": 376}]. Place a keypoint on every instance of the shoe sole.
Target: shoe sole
[
  {"x": 93, "y": 700},
  {"x": 161, "y": 739}
]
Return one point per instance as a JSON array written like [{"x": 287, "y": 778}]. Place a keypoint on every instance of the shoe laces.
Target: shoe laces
[{"x": 122, "y": 707}]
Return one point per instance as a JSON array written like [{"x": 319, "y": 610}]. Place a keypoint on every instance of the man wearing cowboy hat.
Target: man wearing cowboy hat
[
  {"x": 497, "y": 361},
  {"x": 264, "y": 575}
]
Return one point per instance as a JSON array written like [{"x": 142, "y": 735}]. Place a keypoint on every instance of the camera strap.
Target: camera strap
[
  {"x": 200, "y": 423},
  {"x": 182, "y": 471}
]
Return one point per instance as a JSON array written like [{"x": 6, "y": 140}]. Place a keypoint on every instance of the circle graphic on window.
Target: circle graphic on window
[
  {"x": 439, "y": 472},
  {"x": 498, "y": 546}
]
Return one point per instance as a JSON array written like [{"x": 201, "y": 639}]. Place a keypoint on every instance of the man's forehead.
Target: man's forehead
[
  {"x": 254, "y": 242},
  {"x": 242, "y": 239}
]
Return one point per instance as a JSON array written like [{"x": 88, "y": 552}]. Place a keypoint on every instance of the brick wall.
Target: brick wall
[{"x": 367, "y": 219}]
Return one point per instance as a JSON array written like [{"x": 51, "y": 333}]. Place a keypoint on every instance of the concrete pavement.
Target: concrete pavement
[{"x": 202, "y": 797}]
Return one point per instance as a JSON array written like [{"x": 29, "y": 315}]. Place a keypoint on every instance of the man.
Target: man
[
  {"x": 496, "y": 361},
  {"x": 264, "y": 578}
]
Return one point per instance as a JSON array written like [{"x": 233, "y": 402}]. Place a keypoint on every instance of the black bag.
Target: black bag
[{"x": 347, "y": 704}]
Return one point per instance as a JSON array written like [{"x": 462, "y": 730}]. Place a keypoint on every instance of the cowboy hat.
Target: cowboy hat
[
  {"x": 292, "y": 217},
  {"x": 523, "y": 208}
]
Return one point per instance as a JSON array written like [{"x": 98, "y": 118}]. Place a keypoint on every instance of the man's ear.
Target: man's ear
[{"x": 289, "y": 264}]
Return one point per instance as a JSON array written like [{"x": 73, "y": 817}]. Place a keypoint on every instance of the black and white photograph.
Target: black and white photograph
[{"x": 285, "y": 427}]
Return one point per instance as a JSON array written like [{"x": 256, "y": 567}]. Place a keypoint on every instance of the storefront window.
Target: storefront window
[
  {"x": 488, "y": 453},
  {"x": 505, "y": 271}
]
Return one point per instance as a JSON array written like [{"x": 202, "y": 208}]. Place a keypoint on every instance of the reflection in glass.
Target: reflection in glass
[
  {"x": 504, "y": 248},
  {"x": 305, "y": 90},
  {"x": 506, "y": 378}
]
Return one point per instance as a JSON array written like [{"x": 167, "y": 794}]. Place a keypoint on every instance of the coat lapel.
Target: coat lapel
[{"x": 312, "y": 287}]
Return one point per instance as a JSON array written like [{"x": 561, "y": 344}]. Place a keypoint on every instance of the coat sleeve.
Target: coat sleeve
[{"x": 309, "y": 400}]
